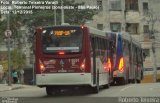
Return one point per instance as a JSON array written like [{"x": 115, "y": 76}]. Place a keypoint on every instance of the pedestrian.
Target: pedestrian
[{"x": 15, "y": 76}]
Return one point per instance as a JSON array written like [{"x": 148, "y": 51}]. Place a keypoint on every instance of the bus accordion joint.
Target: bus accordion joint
[
  {"x": 41, "y": 65},
  {"x": 83, "y": 65},
  {"x": 121, "y": 64}
]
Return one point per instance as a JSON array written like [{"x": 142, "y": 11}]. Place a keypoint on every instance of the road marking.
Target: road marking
[{"x": 125, "y": 88}]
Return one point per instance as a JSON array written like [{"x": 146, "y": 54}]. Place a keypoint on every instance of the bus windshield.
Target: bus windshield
[{"x": 67, "y": 39}]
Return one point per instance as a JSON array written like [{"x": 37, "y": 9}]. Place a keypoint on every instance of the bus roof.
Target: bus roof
[
  {"x": 126, "y": 36},
  {"x": 96, "y": 32},
  {"x": 93, "y": 31},
  {"x": 62, "y": 26}
]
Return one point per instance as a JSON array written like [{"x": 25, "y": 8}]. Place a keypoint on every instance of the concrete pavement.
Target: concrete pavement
[{"x": 5, "y": 87}]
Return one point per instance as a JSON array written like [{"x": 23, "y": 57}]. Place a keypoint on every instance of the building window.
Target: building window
[
  {"x": 145, "y": 8},
  {"x": 99, "y": 3},
  {"x": 115, "y": 27},
  {"x": 115, "y": 5},
  {"x": 146, "y": 52},
  {"x": 146, "y": 28},
  {"x": 131, "y": 5},
  {"x": 100, "y": 26},
  {"x": 132, "y": 28}
]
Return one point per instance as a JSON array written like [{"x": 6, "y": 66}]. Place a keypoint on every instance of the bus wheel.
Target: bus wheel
[
  {"x": 138, "y": 81},
  {"x": 49, "y": 91},
  {"x": 106, "y": 86},
  {"x": 133, "y": 81},
  {"x": 122, "y": 81},
  {"x": 52, "y": 91},
  {"x": 129, "y": 80},
  {"x": 95, "y": 89}
]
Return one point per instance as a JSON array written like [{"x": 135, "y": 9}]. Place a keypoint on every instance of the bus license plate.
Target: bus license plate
[{"x": 62, "y": 70}]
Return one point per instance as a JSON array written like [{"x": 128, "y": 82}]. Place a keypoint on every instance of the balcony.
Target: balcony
[
  {"x": 132, "y": 17},
  {"x": 116, "y": 16},
  {"x": 132, "y": 28},
  {"x": 146, "y": 38}
]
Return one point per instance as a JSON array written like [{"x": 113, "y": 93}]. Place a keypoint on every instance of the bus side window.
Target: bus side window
[{"x": 98, "y": 52}]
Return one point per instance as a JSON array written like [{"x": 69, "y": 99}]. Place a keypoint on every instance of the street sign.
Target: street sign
[{"x": 8, "y": 33}]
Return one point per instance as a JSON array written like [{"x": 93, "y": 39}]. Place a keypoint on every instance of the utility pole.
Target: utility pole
[
  {"x": 62, "y": 13},
  {"x": 8, "y": 34},
  {"x": 55, "y": 17},
  {"x": 9, "y": 57}
]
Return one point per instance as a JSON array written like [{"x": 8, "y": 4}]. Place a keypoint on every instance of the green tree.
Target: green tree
[
  {"x": 17, "y": 59},
  {"x": 2, "y": 29},
  {"x": 15, "y": 24},
  {"x": 4, "y": 63},
  {"x": 72, "y": 16},
  {"x": 46, "y": 17}
]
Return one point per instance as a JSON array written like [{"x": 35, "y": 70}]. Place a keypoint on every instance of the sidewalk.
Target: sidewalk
[{"x": 5, "y": 87}]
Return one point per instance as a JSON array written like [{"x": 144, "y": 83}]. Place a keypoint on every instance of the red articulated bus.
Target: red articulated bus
[{"x": 71, "y": 56}]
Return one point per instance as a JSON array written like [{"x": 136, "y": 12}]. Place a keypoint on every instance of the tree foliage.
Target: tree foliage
[
  {"x": 15, "y": 22},
  {"x": 46, "y": 18},
  {"x": 72, "y": 16},
  {"x": 2, "y": 29},
  {"x": 4, "y": 63},
  {"x": 17, "y": 59}
]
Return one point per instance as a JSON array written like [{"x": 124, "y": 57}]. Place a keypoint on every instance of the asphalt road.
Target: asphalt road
[{"x": 33, "y": 94}]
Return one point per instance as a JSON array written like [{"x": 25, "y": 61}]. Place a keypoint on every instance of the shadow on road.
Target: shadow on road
[{"x": 73, "y": 92}]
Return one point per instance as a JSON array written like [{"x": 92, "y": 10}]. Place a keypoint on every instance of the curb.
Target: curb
[
  {"x": 17, "y": 87},
  {"x": 12, "y": 88}
]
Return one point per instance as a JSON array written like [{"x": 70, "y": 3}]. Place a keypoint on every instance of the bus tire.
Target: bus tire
[
  {"x": 106, "y": 86},
  {"x": 123, "y": 81},
  {"x": 138, "y": 81},
  {"x": 129, "y": 80},
  {"x": 133, "y": 81},
  {"x": 95, "y": 89},
  {"x": 52, "y": 91},
  {"x": 49, "y": 91}
]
